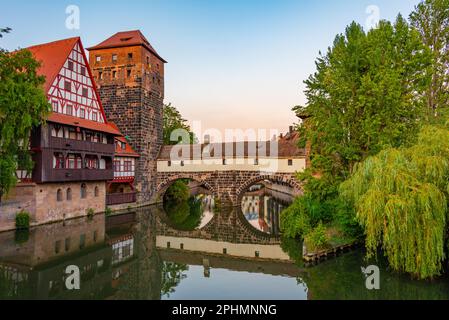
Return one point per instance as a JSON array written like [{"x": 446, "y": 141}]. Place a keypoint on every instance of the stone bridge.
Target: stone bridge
[{"x": 228, "y": 170}]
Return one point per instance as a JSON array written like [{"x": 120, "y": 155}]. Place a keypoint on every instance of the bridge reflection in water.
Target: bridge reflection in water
[{"x": 143, "y": 255}]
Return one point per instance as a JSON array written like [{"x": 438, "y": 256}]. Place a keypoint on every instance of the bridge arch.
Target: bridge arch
[
  {"x": 277, "y": 179},
  {"x": 167, "y": 182}
]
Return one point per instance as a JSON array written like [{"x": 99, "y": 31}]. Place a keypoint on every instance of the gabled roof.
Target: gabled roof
[
  {"x": 52, "y": 57},
  {"x": 128, "y": 151},
  {"x": 127, "y": 39}
]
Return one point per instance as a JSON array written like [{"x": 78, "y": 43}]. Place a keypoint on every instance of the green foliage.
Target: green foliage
[
  {"x": 23, "y": 220},
  {"x": 108, "y": 211},
  {"x": 90, "y": 212},
  {"x": 185, "y": 215},
  {"x": 431, "y": 19},
  {"x": 317, "y": 238},
  {"x": 367, "y": 94},
  {"x": 293, "y": 247},
  {"x": 23, "y": 105},
  {"x": 401, "y": 199},
  {"x": 294, "y": 220},
  {"x": 172, "y": 126},
  {"x": 178, "y": 192},
  {"x": 21, "y": 236},
  {"x": 172, "y": 275}
]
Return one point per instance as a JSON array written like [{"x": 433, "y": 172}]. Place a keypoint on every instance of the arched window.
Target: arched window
[
  {"x": 97, "y": 192},
  {"x": 59, "y": 195},
  {"x": 83, "y": 191},
  {"x": 69, "y": 194}
]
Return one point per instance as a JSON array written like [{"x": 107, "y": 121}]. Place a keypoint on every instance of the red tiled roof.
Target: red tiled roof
[
  {"x": 129, "y": 151},
  {"x": 52, "y": 57},
  {"x": 126, "y": 39},
  {"x": 83, "y": 123}
]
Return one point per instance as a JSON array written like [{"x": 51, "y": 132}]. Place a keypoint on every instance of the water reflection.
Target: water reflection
[
  {"x": 192, "y": 214},
  {"x": 262, "y": 207},
  {"x": 141, "y": 256}
]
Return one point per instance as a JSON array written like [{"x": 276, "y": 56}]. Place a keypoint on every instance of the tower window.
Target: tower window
[
  {"x": 98, "y": 58},
  {"x": 69, "y": 194},
  {"x": 100, "y": 75},
  {"x": 114, "y": 74},
  {"x": 130, "y": 55},
  {"x": 114, "y": 58},
  {"x": 59, "y": 195},
  {"x": 83, "y": 191},
  {"x": 128, "y": 73}
]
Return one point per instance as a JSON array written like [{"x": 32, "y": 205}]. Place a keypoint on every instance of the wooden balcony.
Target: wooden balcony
[
  {"x": 60, "y": 175},
  {"x": 81, "y": 146},
  {"x": 120, "y": 198}
]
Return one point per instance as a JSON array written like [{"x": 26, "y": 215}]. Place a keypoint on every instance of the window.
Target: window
[
  {"x": 83, "y": 71},
  {"x": 128, "y": 73},
  {"x": 59, "y": 161},
  {"x": 114, "y": 74},
  {"x": 55, "y": 106},
  {"x": 82, "y": 241},
  {"x": 69, "y": 194},
  {"x": 72, "y": 133},
  {"x": 67, "y": 86},
  {"x": 117, "y": 165},
  {"x": 114, "y": 57},
  {"x": 123, "y": 146},
  {"x": 100, "y": 75},
  {"x": 290, "y": 162},
  {"x": 74, "y": 161},
  {"x": 69, "y": 110},
  {"x": 70, "y": 66},
  {"x": 130, "y": 55},
  {"x": 182, "y": 163},
  {"x": 224, "y": 162},
  {"x": 91, "y": 163},
  {"x": 97, "y": 192},
  {"x": 57, "y": 246},
  {"x": 256, "y": 162},
  {"x": 85, "y": 92},
  {"x": 83, "y": 191},
  {"x": 128, "y": 166},
  {"x": 169, "y": 163},
  {"x": 94, "y": 116},
  {"x": 82, "y": 113},
  {"x": 98, "y": 58},
  {"x": 148, "y": 62},
  {"x": 67, "y": 244},
  {"x": 59, "y": 195}
]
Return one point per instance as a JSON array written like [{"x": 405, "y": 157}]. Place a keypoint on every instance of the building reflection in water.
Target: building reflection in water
[{"x": 262, "y": 208}]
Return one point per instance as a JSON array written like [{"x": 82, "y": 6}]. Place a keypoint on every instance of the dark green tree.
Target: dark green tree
[
  {"x": 173, "y": 121},
  {"x": 23, "y": 105}
]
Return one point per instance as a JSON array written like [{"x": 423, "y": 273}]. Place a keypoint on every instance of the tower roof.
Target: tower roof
[
  {"x": 127, "y": 39},
  {"x": 52, "y": 57}
]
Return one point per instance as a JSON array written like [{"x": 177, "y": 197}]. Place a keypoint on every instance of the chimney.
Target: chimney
[{"x": 207, "y": 139}]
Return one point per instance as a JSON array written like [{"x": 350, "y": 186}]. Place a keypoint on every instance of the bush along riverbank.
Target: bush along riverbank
[{"x": 379, "y": 149}]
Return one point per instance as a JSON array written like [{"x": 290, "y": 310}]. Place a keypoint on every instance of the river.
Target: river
[{"x": 189, "y": 251}]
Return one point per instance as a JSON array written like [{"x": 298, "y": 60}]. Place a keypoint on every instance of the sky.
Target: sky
[{"x": 234, "y": 64}]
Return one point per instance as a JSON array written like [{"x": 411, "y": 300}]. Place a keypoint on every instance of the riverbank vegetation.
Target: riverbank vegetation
[{"x": 375, "y": 124}]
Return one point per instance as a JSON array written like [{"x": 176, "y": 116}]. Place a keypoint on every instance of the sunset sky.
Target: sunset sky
[{"x": 231, "y": 64}]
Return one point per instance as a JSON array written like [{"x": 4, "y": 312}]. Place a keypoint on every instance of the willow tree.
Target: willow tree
[{"x": 401, "y": 200}]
